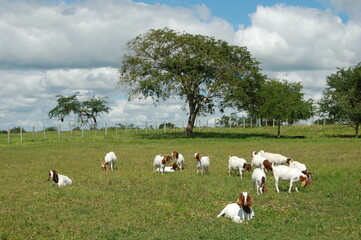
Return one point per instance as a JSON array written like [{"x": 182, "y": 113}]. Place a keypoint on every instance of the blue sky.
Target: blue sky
[
  {"x": 237, "y": 11},
  {"x": 61, "y": 47}
]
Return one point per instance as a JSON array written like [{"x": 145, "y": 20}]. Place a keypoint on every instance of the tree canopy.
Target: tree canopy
[
  {"x": 86, "y": 111},
  {"x": 283, "y": 101},
  {"x": 200, "y": 70},
  {"x": 342, "y": 96}
]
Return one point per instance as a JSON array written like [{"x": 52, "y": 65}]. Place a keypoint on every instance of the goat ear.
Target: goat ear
[
  {"x": 55, "y": 176},
  {"x": 249, "y": 200}
]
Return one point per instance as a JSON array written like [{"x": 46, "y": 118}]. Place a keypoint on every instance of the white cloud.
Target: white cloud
[{"x": 52, "y": 47}]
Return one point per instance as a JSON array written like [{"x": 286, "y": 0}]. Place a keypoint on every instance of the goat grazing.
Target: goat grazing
[
  {"x": 160, "y": 162},
  {"x": 259, "y": 161},
  {"x": 275, "y": 158},
  {"x": 240, "y": 164},
  {"x": 301, "y": 167},
  {"x": 202, "y": 163},
  {"x": 59, "y": 179},
  {"x": 179, "y": 159},
  {"x": 109, "y": 159},
  {"x": 259, "y": 180},
  {"x": 289, "y": 174},
  {"x": 239, "y": 211}
]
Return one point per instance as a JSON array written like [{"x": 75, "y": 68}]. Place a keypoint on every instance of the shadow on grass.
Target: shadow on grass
[
  {"x": 340, "y": 136},
  {"x": 217, "y": 135}
]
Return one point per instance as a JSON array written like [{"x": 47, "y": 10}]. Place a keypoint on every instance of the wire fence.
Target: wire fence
[{"x": 18, "y": 134}]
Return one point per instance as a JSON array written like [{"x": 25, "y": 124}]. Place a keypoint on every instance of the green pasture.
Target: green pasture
[{"x": 133, "y": 202}]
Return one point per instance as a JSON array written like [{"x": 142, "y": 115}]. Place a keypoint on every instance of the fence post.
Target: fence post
[
  {"x": 82, "y": 131},
  {"x": 244, "y": 122},
  {"x": 21, "y": 134},
  {"x": 106, "y": 129},
  {"x": 44, "y": 132},
  {"x": 33, "y": 134},
  {"x": 8, "y": 135},
  {"x": 251, "y": 125},
  {"x": 59, "y": 133},
  {"x": 259, "y": 122},
  {"x": 165, "y": 127},
  {"x": 146, "y": 127}
]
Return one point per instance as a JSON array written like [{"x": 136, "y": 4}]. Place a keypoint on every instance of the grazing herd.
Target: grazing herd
[{"x": 241, "y": 210}]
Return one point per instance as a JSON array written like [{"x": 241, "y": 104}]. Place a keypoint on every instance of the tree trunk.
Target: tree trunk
[
  {"x": 192, "y": 117},
  {"x": 356, "y": 129},
  {"x": 190, "y": 125},
  {"x": 279, "y": 129}
]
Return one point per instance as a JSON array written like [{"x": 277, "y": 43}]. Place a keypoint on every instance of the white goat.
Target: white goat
[
  {"x": 179, "y": 159},
  {"x": 259, "y": 180},
  {"x": 59, "y": 179},
  {"x": 240, "y": 211},
  {"x": 301, "y": 167},
  {"x": 289, "y": 174},
  {"x": 109, "y": 159},
  {"x": 240, "y": 164},
  {"x": 275, "y": 158},
  {"x": 160, "y": 162},
  {"x": 202, "y": 163},
  {"x": 261, "y": 162}
]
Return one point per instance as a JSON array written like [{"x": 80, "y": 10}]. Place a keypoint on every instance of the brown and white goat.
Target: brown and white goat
[{"x": 239, "y": 211}]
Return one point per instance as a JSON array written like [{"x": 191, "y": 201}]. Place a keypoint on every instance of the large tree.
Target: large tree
[
  {"x": 197, "y": 69},
  {"x": 86, "y": 111},
  {"x": 342, "y": 97},
  {"x": 283, "y": 101}
]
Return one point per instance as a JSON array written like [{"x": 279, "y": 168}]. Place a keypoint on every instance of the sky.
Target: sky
[{"x": 55, "y": 47}]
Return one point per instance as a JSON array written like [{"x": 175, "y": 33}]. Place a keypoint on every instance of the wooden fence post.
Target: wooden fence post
[
  {"x": 33, "y": 134},
  {"x": 44, "y": 133},
  {"x": 165, "y": 127},
  {"x": 21, "y": 134},
  {"x": 146, "y": 127},
  {"x": 8, "y": 135},
  {"x": 59, "y": 132},
  {"x": 106, "y": 129}
]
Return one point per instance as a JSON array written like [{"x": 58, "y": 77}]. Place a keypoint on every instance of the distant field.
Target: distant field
[{"x": 133, "y": 202}]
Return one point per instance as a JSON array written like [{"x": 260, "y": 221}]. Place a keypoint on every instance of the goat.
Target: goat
[
  {"x": 239, "y": 211},
  {"x": 259, "y": 161},
  {"x": 240, "y": 164},
  {"x": 301, "y": 167},
  {"x": 174, "y": 167},
  {"x": 259, "y": 180},
  {"x": 59, "y": 179},
  {"x": 179, "y": 159},
  {"x": 275, "y": 158},
  {"x": 109, "y": 159},
  {"x": 202, "y": 163},
  {"x": 160, "y": 162},
  {"x": 289, "y": 174}
]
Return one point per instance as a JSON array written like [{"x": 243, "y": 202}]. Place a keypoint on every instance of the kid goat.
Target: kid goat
[
  {"x": 160, "y": 162},
  {"x": 289, "y": 174},
  {"x": 259, "y": 180},
  {"x": 239, "y": 211},
  {"x": 202, "y": 163},
  {"x": 240, "y": 164},
  {"x": 179, "y": 159},
  {"x": 109, "y": 159},
  {"x": 58, "y": 179}
]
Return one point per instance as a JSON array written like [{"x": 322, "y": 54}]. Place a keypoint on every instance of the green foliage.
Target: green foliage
[
  {"x": 342, "y": 99},
  {"x": 86, "y": 111},
  {"x": 51, "y": 128},
  {"x": 167, "y": 125},
  {"x": 283, "y": 101},
  {"x": 198, "y": 69},
  {"x": 132, "y": 201}
]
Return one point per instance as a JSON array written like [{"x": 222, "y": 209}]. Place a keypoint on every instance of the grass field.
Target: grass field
[{"x": 133, "y": 202}]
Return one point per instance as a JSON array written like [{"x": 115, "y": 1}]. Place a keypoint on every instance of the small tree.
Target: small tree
[
  {"x": 86, "y": 111},
  {"x": 198, "y": 69},
  {"x": 342, "y": 97},
  {"x": 283, "y": 101}
]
